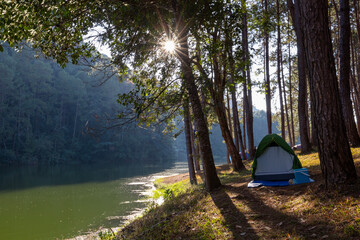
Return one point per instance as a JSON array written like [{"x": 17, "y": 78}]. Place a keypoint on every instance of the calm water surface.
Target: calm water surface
[{"x": 62, "y": 202}]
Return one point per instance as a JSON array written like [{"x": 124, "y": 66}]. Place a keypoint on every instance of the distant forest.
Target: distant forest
[
  {"x": 47, "y": 111},
  {"x": 47, "y": 114}
]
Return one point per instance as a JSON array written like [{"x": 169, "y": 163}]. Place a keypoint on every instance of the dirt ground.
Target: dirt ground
[{"x": 305, "y": 211}]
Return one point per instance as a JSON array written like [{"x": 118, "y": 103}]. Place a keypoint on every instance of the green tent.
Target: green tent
[{"x": 274, "y": 160}]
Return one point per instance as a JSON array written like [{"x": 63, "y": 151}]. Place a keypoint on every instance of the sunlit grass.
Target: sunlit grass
[{"x": 192, "y": 213}]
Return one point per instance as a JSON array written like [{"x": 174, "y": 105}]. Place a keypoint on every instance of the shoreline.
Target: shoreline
[
  {"x": 94, "y": 235},
  {"x": 170, "y": 179}
]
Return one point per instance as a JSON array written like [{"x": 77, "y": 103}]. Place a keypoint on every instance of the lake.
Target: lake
[{"x": 65, "y": 201}]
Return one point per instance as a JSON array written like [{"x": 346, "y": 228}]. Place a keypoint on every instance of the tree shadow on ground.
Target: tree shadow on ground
[
  {"x": 279, "y": 223},
  {"x": 234, "y": 219}
]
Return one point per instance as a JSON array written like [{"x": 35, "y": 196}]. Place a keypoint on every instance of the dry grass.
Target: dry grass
[{"x": 305, "y": 211}]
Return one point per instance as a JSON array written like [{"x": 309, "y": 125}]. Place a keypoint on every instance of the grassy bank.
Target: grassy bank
[{"x": 306, "y": 211}]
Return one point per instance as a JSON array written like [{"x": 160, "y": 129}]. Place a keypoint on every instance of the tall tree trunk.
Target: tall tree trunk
[
  {"x": 195, "y": 148},
  {"x": 353, "y": 72},
  {"x": 247, "y": 87},
  {"x": 302, "y": 103},
  {"x": 291, "y": 99},
  {"x": 233, "y": 124},
  {"x": 278, "y": 55},
  {"x": 237, "y": 127},
  {"x": 196, "y": 142},
  {"x": 231, "y": 130},
  {"x": 267, "y": 70},
  {"x": 234, "y": 153},
  {"x": 357, "y": 112},
  {"x": 336, "y": 160},
  {"x": 335, "y": 25},
  {"x": 217, "y": 93},
  {"x": 188, "y": 143},
  {"x": 242, "y": 146},
  {"x": 244, "y": 117},
  {"x": 286, "y": 108},
  {"x": 354, "y": 85},
  {"x": 347, "y": 109},
  {"x": 211, "y": 179},
  {"x": 357, "y": 57}
]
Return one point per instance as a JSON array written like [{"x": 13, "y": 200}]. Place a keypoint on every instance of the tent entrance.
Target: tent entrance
[{"x": 274, "y": 164}]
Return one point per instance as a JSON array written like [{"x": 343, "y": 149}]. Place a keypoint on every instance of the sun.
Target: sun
[{"x": 169, "y": 46}]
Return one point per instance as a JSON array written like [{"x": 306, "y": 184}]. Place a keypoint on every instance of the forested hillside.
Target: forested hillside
[{"x": 48, "y": 114}]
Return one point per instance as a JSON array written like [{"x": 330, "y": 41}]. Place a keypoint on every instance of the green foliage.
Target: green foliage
[
  {"x": 108, "y": 235},
  {"x": 168, "y": 192},
  {"x": 52, "y": 115}
]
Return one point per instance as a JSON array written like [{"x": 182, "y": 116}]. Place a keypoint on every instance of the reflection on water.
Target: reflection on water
[{"x": 65, "y": 201}]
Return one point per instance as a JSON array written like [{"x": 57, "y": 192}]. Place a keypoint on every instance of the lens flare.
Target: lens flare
[{"x": 169, "y": 46}]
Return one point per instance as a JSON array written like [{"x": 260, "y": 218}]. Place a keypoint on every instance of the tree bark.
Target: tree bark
[
  {"x": 218, "y": 99},
  {"x": 303, "y": 120},
  {"x": 189, "y": 149},
  {"x": 354, "y": 85},
  {"x": 347, "y": 109},
  {"x": 334, "y": 150},
  {"x": 247, "y": 87},
  {"x": 267, "y": 71},
  {"x": 313, "y": 132},
  {"x": 278, "y": 55},
  {"x": 234, "y": 153},
  {"x": 231, "y": 130},
  {"x": 286, "y": 108},
  {"x": 244, "y": 117},
  {"x": 237, "y": 128},
  {"x": 233, "y": 124},
  {"x": 290, "y": 98},
  {"x": 211, "y": 179},
  {"x": 195, "y": 148}
]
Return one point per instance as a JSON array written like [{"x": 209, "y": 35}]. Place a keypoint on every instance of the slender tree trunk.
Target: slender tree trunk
[
  {"x": 334, "y": 150},
  {"x": 291, "y": 100},
  {"x": 356, "y": 11},
  {"x": 247, "y": 87},
  {"x": 211, "y": 179},
  {"x": 357, "y": 112},
  {"x": 234, "y": 153},
  {"x": 233, "y": 124},
  {"x": 267, "y": 70},
  {"x": 278, "y": 54},
  {"x": 286, "y": 108},
  {"x": 354, "y": 85},
  {"x": 242, "y": 146},
  {"x": 231, "y": 130},
  {"x": 217, "y": 93},
  {"x": 188, "y": 143},
  {"x": 302, "y": 103},
  {"x": 347, "y": 109},
  {"x": 336, "y": 27},
  {"x": 353, "y": 82},
  {"x": 237, "y": 128},
  {"x": 357, "y": 21},
  {"x": 195, "y": 148},
  {"x": 244, "y": 117}
]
